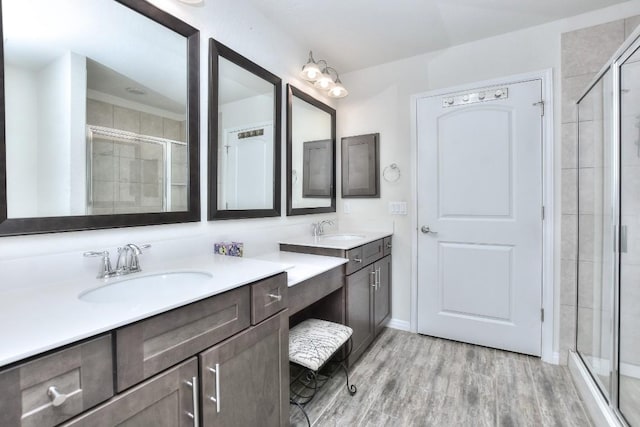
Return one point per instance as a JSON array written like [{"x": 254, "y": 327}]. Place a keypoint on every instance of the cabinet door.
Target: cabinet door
[
  {"x": 360, "y": 288},
  {"x": 167, "y": 400},
  {"x": 245, "y": 379},
  {"x": 382, "y": 294}
]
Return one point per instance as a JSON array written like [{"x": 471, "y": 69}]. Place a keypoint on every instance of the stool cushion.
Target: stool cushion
[{"x": 313, "y": 342}]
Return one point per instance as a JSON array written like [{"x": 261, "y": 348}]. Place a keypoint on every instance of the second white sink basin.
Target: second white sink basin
[
  {"x": 342, "y": 237},
  {"x": 132, "y": 288}
]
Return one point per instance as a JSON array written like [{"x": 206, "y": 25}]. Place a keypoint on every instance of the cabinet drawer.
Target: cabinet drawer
[
  {"x": 83, "y": 373},
  {"x": 387, "y": 246},
  {"x": 166, "y": 400},
  {"x": 268, "y": 297},
  {"x": 355, "y": 260},
  {"x": 152, "y": 345},
  {"x": 371, "y": 252}
]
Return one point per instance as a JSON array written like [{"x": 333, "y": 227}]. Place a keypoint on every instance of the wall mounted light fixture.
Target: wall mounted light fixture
[{"x": 320, "y": 74}]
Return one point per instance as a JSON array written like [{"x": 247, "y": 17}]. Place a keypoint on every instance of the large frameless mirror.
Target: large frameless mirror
[
  {"x": 244, "y": 136},
  {"x": 101, "y": 116},
  {"x": 311, "y": 158}
]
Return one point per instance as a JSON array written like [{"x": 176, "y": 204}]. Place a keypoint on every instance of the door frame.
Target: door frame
[{"x": 549, "y": 327}]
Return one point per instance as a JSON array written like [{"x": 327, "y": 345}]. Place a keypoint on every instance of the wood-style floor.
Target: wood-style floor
[{"x": 406, "y": 379}]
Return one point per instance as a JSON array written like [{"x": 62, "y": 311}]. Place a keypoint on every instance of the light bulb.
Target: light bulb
[
  {"x": 324, "y": 82},
  {"x": 338, "y": 91}
]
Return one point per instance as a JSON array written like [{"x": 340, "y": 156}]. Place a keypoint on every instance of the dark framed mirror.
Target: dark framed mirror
[
  {"x": 245, "y": 103},
  {"x": 100, "y": 123},
  {"x": 311, "y": 154}
]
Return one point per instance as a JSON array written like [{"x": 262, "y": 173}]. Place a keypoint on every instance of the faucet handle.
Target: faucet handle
[
  {"x": 105, "y": 265},
  {"x": 134, "y": 261}
]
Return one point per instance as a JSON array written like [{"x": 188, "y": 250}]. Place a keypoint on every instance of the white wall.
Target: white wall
[
  {"x": 379, "y": 101},
  {"x": 77, "y": 110},
  {"x": 42, "y": 259}
]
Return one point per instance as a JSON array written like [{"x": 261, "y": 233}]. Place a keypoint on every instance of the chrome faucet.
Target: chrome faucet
[
  {"x": 317, "y": 228},
  {"x": 128, "y": 261}
]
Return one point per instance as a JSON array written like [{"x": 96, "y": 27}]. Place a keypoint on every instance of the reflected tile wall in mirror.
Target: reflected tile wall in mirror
[{"x": 82, "y": 70}]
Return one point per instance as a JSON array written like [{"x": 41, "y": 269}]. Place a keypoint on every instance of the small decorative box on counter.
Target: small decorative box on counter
[{"x": 230, "y": 249}]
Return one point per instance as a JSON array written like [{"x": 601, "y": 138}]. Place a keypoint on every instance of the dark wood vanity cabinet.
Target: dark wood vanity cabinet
[
  {"x": 382, "y": 294},
  {"x": 368, "y": 304},
  {"x": 166, "y": 400},
  {"x": 368, "y": 288},
  {"x": 167, "y": 368},
  {"x": 54, "y": 388},
  {"x": 147, "y": 347},
  {"x": 360, "y": 295},
  {"x": 245, "y": 379}
]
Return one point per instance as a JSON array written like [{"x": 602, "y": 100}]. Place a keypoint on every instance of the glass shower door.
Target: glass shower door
[
  {"x": 594, "y": 340},
  {"x": 629, "y": 291}
]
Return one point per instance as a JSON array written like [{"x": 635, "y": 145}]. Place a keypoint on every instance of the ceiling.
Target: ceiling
[{"x": 355, "y": 34}]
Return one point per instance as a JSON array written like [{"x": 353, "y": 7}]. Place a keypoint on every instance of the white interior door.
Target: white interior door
[
  {"x": 480, "y": 216},
  {"x": 246, "y": 158}
]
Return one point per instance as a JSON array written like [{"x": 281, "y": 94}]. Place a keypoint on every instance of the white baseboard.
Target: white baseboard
[
  {"x": 401, "y": 325},
  {"x": 555, "y": 358}
]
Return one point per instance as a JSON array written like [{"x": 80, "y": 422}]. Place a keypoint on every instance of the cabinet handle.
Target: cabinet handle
[
  {"x": 216, "y": 399},
  {"x": 377, "y": 278},
  {"x": 195, "y": 416},
  {"x": 55, "y": 396},
  {"x": 275, "y": 297},
  {"x": 357, "y": 259},
  {"x": 389, "y": 245},
  {"x": 373, "y": 274}
]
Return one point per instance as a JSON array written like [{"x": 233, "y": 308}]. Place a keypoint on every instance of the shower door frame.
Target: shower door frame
[{"x": 624, "y": 52}]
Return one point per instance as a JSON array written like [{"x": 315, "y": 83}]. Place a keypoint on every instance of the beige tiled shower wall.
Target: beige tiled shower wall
[
  {"x": 128, "y": 177},
  {"x": 584, "y": 52}
]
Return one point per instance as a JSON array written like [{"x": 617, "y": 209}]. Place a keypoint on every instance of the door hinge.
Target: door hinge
[
  {"x": 541, "y": 104},
  {"x": 542, "y": 314},
  {"x": 543, "y": 213}
]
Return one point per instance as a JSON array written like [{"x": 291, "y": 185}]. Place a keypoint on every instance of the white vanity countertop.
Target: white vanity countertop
[
  {"x": 35, "y": 320},
  {"x": 332, "y": 240},
  {"x": 301, "y": 267}
]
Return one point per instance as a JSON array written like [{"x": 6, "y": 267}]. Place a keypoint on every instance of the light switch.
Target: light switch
[{"x": 398, "y": 208}]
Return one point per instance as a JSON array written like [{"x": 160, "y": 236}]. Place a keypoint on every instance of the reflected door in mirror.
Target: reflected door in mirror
[{"x": 244, "y": 162}]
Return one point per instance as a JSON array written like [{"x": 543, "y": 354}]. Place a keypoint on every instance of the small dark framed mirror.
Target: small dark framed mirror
[
  {"x": 100, "y": 126},
  {"x": 245, "y": 103},
  {"x": 311, "y": 154}
]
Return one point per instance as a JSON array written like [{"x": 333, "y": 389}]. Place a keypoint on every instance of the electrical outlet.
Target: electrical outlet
[{"x": 346, "y": 207}]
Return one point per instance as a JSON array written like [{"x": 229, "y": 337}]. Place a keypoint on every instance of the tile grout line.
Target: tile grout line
[{"x": 535, "y": 390}]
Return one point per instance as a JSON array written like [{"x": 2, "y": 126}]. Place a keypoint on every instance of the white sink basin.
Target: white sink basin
[
  {"x": 132, "y": 288},
  {"x": 342, "y": 237}
]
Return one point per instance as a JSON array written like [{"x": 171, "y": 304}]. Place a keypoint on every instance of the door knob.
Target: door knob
[{"x": 426, "y": 230}]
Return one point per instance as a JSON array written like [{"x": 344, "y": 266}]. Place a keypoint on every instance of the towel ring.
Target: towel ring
[{"x": 391, "y": 173}]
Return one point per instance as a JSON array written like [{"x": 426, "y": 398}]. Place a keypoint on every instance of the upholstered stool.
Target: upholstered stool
[{"x": 312, "y": 343}]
